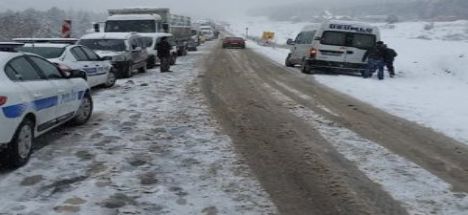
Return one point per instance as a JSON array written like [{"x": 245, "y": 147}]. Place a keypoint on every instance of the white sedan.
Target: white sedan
[
  {"x": 75, "y": 57},
  {"x": 35, "y": 97}
]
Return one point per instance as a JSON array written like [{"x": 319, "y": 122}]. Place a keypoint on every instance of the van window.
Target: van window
[
  {"x": 308, "y": 37},
  {"x": 356, "y": 40}
]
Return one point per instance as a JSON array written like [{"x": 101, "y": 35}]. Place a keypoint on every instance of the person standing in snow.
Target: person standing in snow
[
  {"x": 389, "y": 58},
  {"x": 164, "y": 53},
  {"x": 375, "y": 57}
]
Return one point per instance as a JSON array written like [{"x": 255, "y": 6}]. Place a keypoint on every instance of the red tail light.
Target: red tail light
[
  {"x": 3, "y": 100},
  {"x": 313, "y": 52}
]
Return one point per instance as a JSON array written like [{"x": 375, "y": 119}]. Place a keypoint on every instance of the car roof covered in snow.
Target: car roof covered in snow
[
  {"x": 121, "y": 36},
  {"x": 155, "y": 35},
  {"x": 349, "y": 26},
  {"x": 134, "y": 17},
  {"x": 49, "y": 45}
]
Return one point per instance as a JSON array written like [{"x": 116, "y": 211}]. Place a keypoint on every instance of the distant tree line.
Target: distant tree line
[
  {"x": 35, "y": 23},
  {"x": 404, "y": 10}
]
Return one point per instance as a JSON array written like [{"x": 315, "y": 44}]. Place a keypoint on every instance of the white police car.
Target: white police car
[
  {"x": 35, "y": 97},
  {"x": 65, "y": 53}
]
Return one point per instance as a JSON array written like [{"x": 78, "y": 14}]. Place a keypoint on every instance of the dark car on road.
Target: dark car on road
[{"x": 234, "y": 42}]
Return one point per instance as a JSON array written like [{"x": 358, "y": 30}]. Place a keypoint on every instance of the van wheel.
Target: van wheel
[
  {"x": 305, "y": 68},
  {"x": 288, "y": 62},
  {"x": 84, "y": 112},
  {"x": 20, "y": 148}
]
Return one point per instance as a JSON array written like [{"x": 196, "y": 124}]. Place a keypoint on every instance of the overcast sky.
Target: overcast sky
[
  {"x": 197, "y": 8},
  {"x": 217, "y": 8}
]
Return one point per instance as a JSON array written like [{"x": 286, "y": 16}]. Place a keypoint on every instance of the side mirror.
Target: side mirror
[
  {"x": 290, "y": 42},
  {"x": 76, "y": 74}
]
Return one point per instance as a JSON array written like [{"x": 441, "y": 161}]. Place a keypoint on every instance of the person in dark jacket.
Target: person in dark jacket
[
  {"x": 389, "y": 58},
  {"x": 375, "y": 57},
  {"x": 164, "y": 53}
]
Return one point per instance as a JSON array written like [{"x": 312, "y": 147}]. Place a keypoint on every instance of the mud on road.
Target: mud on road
[{"x": 302, "y": 172}]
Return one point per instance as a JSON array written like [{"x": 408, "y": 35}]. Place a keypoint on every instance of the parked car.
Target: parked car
[
  {"x": 334, "y": 45},
  {"x": 35, "y": 97},
  {"x": 76, "y": 57},
  {"x": 234, "y": 42},
  {"x": 152, "y": 40},
  {"x": 127, "y": 51}
]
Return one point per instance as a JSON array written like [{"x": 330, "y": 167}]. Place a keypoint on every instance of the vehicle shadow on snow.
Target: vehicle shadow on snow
[{"x": 332, "y": 73}]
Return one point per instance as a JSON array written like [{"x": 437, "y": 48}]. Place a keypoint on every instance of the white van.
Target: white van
[{"x": 333, "y": 45}]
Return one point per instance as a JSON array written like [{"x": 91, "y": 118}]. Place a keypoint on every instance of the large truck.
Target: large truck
[{"x": 151, "y": 20}]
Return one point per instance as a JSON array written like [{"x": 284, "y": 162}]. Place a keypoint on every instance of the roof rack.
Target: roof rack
[
  {"x": 70, "y": 41},
  {"x": 10, "y": 46}
]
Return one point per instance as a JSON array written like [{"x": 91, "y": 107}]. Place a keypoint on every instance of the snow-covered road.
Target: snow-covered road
[{"x": 151, "y": 148}]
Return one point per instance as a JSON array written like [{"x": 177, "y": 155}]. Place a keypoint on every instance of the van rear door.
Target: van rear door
[
  {"x": 332, "y": 47},
  {"x": 357, "y": 45}
]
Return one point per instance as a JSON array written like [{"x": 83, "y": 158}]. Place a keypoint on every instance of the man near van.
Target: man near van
[
  {"x": 389, "y": 58},
  {"x": 164, "y": 54},
  {"x": 375, "y": 57}
]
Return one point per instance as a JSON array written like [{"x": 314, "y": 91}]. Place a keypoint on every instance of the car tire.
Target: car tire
[
  {"x": 111, "y": 79},
  {"x": 143, "y": 69},
  {"x": 288, "y": 62},
  {"x": 305, "y": 68},
  {"x": 83, "y": 114},
  {"x": 173, "y": 60},
  {"x": 19, "y": 149},
  {"x": 151, "y": 62}
]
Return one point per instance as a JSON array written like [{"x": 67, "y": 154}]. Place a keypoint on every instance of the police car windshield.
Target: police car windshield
[
  {"x": 104, "y": 44},
  {"x": 357, "y": 40},
  {"x": 46, "y": 52}
]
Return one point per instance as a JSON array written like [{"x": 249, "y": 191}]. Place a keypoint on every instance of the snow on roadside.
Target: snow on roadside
[
  {"x": 419, "y": 191},
  {"x": 432, "y": 78},
  {"x": 150, "y": 148}
]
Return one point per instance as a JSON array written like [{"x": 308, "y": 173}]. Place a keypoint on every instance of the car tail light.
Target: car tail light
[
  {"x": 3, "y": 100},
  {"x": 313, "y": 52}
]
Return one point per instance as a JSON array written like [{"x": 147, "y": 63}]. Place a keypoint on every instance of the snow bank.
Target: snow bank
[{"x": 432, "y": 79}]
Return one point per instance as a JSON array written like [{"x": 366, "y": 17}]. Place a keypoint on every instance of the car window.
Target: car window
[
  {"x": 334, "y": 38},
  {"x": 47, "y": 68},
  {"x": 11, "y": 73},
  {"x": 308, "y": 37},
  {"x": 91, "y": 54},
  {"x": 79, "y": 54},
  {"x": 23, "y": 70},
  {"x": 299, "y": 38}
]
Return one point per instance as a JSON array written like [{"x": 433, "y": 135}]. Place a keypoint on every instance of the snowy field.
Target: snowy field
[
  {"x": 150, "y": 148},
  {"x": 432, "y": 78}
]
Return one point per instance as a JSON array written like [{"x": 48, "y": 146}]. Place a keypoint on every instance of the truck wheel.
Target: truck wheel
[
  {"x": 20, "y": 148},
  {"x": 128, "y": 71},
  {"x": 288, "y": 62},
  {"x": 84, "y": 111}
]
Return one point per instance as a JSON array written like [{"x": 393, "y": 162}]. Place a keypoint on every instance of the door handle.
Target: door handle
[
  {"x": 85, "y": 66},
  {"x": 349, "y": 52}
]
